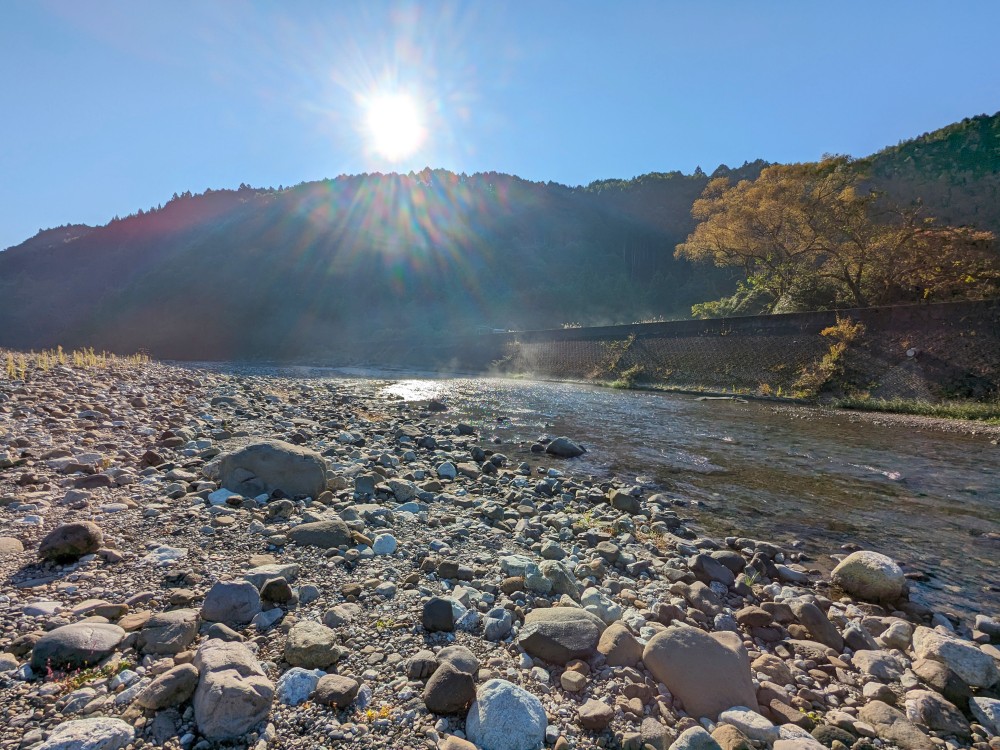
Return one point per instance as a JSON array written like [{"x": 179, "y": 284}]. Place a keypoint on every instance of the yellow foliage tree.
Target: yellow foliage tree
[{"x": 818, "y": 227}]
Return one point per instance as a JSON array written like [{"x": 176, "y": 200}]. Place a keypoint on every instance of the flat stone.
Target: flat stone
[
  {"x": 560, "y": 634},
  {"x": 76, "y": 645},
  {"x": 169, "y": 633},
  {"x": 270, "y": 465},
  {"x": 98, "y": 733},
  {"x": 171, "y": 688}
]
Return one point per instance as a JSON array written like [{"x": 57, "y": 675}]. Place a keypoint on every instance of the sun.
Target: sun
[{"x": 395, "y": 125}]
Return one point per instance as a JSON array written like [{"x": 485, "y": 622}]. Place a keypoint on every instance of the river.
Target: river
[{"x": 929, "y": 499}]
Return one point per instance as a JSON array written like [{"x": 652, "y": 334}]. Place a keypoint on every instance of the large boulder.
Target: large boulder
[
  {"x": 78, "y": 645},
  {"x": 870, "y": 576},
  {"x": 234, "y": 603},
  {"x": 708, "y": 672},
  {"x": 168, "y": 633},
  {"x": 560, "y": 634},
  {"x": 273, "y": 465},
  {"x": 506, "y": 717},
  {"x": 328, "y": 533},
  {"x": 99, "y": 733},
  {"x": 974, "y": 667},
  {"x": 70, "y": 541},
  {"x": 233, "y": 694}
]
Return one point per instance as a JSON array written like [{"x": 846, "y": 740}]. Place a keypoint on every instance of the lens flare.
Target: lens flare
[{"x": 395, "y": 125}]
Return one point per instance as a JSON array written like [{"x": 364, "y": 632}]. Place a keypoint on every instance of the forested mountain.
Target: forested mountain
[
  {"x": 272, "y": 273},
  {"x": 293, "y": 272},
  {"x": 954, "y": 172}
]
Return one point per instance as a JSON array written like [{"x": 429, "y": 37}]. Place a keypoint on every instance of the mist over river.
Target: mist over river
[{"x": 928, "y": 498}]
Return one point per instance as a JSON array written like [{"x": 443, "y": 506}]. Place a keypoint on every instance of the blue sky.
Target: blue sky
[{"x": 111, "y": 106}]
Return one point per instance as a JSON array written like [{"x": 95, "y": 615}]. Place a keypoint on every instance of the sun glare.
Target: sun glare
[{"x": 395, "y": 126}]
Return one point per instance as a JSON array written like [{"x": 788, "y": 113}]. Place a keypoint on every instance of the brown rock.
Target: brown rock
[
  {"x": 708, "y": 672},
  {"x": 336, "y": 690},
  {"x": 619, "y": 646},
  {"x": 70, "y": 541},
  {"x": 595, "y": 715}
]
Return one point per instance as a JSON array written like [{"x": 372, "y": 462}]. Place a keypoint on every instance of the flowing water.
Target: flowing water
[{"x": 929, "y": 499}]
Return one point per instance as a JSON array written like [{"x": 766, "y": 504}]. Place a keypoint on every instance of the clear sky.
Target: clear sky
[{"x": 108, "y": 106}]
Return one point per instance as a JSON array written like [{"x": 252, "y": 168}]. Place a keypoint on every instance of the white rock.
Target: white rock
[
  {"x": 506, "y": 717},
  {"x": 987, "y": 713},
  {"x": 975, "y": 667},
  {"x": 297, "y": 684},
  {"x": 384, "y": 544},
  {"x": 100, "y": 733},
  {"x": 751, "y": 723}
]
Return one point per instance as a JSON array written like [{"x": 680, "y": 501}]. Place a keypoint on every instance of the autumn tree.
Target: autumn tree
[{"x": 814, "y": 235}]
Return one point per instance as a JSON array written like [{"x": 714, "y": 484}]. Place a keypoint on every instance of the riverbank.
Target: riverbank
[{"x": 561, "y": 597}]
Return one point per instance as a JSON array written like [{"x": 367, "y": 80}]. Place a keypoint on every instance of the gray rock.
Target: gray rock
[
  {"x": 975, "y": 667},
  {"x": 708, "y": 672},
  {"x": 273, "y": 465},
  {"x": 234, "y": 603},
  {"x": 564, "y": 448},
  {"x": 750, "y": 723},
  {"x": 707, "y": 569},
  {"x": 77, "y": 645},
  {"x": 891, "y": 725},
  {"x": 450, "y": 690},
  {"x": 563, "y": 581},
  {"x": 625, "y": 502},
  {"x": 70, "y": 541},
  {"x": 438, "y": 615},
  {"x": 987, "y": 713},
  {"x": 497, "y": 624},
  {"x": 506, "y": 717},
  {"x": 99, "y": 733},
  {"x": 328, "y": 534},
  {"x": 460, "y": 658},
  {"x": 934, "y": 712},
  {"x": 233, "y": 694},
  {"x": 168, "y": 633},
  {"x": 881, "y": 664},
  {"x": 297, "y": 684},
  {"x": 560, "y": 634},
  {"x": 695, "y": 738},
  {"x": 263, "y": 573},
  {"x": 312, "y": 645},
  {"x": 170, "y": 688},
  {"x": 870, "y": 576}
]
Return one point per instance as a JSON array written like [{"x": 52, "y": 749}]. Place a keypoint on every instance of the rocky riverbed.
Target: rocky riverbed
[{"x": 195, "y": 559}]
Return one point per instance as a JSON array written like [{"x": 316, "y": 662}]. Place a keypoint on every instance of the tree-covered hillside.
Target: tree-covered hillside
[{"x": 287, "y": 272}]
